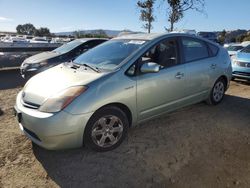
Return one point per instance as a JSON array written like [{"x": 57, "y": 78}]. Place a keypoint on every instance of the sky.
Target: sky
[{"x": 71, "y": 15}]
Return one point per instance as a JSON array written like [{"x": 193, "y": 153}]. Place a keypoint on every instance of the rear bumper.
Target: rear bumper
[{"x": 52, "y": 130}]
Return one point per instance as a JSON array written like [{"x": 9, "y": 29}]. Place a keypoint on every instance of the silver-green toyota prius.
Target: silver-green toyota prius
[{"x": 94, "y": 99}]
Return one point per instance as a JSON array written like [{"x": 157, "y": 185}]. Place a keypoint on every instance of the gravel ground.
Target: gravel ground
[{"x": 198, "y": 146}]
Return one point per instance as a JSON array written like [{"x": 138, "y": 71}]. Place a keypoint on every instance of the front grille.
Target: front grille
[
  {"x": 32, "y": 134},
  {"x": 243, "y": 64},
  {"x": 29, "y": 104}
]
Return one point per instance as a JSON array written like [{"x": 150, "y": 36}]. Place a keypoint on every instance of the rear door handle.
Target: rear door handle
[
  {"x": 179, "y": 75},
  {"x": 213, "y": 66}
]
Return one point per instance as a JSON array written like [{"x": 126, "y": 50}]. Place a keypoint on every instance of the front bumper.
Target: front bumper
[
  {"x": 241, "y": 72},
  {"x": 52, "y": 131}
]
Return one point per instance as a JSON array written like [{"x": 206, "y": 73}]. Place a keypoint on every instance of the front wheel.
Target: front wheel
[
  {"x": 106, "y": 129},
  {"x": 217, "y": 93}
]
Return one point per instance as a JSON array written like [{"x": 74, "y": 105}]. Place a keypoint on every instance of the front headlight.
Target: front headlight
[
  {"x": 37, "y": 65},
  {"x": 59, "y": 101},
  {"x": 24, "y": 65},
  {"x": 234, "y": 61}
]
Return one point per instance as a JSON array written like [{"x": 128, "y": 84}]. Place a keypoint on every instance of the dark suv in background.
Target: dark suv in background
[
  {"x": 67, "y": 52},
  {"x": 208, "y": 35}
]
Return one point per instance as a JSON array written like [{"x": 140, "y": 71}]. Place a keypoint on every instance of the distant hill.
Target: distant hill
[
  {"x": 233, "y": 34},
  {"x": 110, "y": 33}
]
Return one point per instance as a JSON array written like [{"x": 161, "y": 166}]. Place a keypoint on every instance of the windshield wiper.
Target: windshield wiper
[
  {"x": 91, "y": 67},
  {"x": 76, "y": 66}
]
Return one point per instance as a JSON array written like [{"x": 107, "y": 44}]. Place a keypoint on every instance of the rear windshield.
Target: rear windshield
[{"x": 68, "y": 47}]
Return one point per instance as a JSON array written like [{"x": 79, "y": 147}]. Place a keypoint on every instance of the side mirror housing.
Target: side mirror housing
[{"x": 150, "y": 67}]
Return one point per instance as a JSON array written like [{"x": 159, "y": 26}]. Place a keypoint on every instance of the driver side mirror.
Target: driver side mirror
[{"x": 150, "y": 67}]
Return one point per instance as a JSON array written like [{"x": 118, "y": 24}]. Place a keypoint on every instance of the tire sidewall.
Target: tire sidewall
[
  {"x": 212, "y": 101},
  {"x": 87, "y": 138}
]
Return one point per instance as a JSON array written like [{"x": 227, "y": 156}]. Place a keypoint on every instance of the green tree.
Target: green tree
[
  {"x": 175, "y": 13},
  {"x": 222, "y": 37},
  {"x": 101, "y": 34},
  {"x": 223, "y": 33},
  {"x": 240, "y": 38},
  {"x": 146, "y": 13},
  {"x": 233, "y": 39},
  {"x": 76, "y": 34},
  {"x": 247, "y": 38},
  {"x": 26, "y": 29},
  {"x": 97, "y": 34},
  {"x": 177, "y": 8},
  {"x": 43, "y": 31}
]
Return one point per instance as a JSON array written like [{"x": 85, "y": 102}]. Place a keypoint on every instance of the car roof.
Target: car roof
[
  {"x": 141, "y": 36},
  {"x": 152, "y": 36},
  {"x": 236, "y": 44},
  {"x": 90, "y": 39}
]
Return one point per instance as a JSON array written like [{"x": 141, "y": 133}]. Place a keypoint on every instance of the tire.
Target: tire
[
  {"x": 217, "y": 93},
  {"x": 106, "y": 129}
]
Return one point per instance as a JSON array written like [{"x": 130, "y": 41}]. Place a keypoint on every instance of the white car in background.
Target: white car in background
[
  {"x": 187, "y": 31},
  {"x": 234, "y": 48},
  {"x": 245, "y": 43},
  {"x": 39, "y": 40}
]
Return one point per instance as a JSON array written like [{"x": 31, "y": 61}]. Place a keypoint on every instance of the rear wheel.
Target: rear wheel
[
  {"x": 217, "y": 93},
  {"x": 106, "y": 129}
]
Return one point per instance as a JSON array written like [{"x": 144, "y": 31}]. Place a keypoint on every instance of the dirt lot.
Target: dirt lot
[{"x": 198, "y": 146}]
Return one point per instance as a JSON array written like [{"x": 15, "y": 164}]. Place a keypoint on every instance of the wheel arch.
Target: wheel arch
[
  {"x": 223, "y": 77},
  {"x": 122, "y": 107}
]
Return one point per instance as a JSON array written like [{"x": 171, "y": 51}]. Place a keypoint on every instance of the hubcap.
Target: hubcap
[
  {"x": 107, "y": 131},
  {"x": 218, "y": 91}
]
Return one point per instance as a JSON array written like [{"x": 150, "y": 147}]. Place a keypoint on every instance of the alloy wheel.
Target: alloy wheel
[
  {"x": 107, "y": 131},
  {"x": 218, "y": 91}
]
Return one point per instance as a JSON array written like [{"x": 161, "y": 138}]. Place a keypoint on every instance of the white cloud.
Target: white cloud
[{"x": 4, "y": 19}]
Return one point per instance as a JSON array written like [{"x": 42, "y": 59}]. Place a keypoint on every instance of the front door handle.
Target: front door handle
[{"x": 179, "y": 75}]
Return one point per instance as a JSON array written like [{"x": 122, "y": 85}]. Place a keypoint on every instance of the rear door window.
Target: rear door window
[{"x": 194, "y": 49}]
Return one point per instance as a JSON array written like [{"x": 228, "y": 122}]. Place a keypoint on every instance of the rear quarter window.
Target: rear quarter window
[{"x": 213, "y": 49}]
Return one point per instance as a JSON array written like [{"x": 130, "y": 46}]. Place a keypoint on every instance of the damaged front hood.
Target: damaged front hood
[{"x": 52, "y": 81}]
